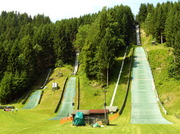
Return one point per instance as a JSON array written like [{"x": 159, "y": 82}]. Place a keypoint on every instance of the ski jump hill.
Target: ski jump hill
[
  {"x": 69, "y": 96},
  {"x": 68, "y": 100},
  {"x": 34, "y": 99},
  {"x": 144, "y": 105}
]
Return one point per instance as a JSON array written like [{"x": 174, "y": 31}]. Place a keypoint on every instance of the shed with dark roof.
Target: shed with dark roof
[
  {"x": 94, "y": 115},
  {"x": 85, "y": 112}
]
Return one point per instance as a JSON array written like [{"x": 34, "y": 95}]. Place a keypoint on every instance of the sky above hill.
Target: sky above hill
[{"x": 61, "y": 9}]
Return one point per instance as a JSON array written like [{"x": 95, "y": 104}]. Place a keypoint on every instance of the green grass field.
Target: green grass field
[{"x": 36, "y": 120}]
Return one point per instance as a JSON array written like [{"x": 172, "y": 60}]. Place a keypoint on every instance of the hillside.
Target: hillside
[
  {"x": 35, "y": 120},
  {"x": 25, "y": 121},
  {"x": 160, "y": 58}
]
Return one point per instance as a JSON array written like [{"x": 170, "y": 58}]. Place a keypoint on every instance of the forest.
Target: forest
[
  {"x": 28, "y": 46},
  {"x": 163, "y": 23}
]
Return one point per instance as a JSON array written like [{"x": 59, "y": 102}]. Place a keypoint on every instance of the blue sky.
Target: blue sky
[{"x": 61, "y": 9}]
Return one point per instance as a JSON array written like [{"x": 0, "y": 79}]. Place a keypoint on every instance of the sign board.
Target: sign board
[{"x": 54, "y": 85}]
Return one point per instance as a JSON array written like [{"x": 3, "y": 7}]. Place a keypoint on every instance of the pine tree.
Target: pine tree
[
  {"x": 89, "y": 50},
  {"x": 13, "y": 58},
  {"x": 142, "y": 12},
  {"x": 81, "y": 36},
  {"x": 103, "y": 23},
  {"x": 160, "y": 24},
  {"x": 147, "y": 24},
  {"x": 106, "y": 53},
  {"x": 176, "y": 23},
  {"x": 150, "y": 7},
  {"x": 62, "y": 44},
  {"x": 5, "y": 88},
  {"x": 30, "y": 59},
  {"x": 3, "y": 61},
  {"x": 177, "y": 52},
  {"x": 125, "y": 29}
]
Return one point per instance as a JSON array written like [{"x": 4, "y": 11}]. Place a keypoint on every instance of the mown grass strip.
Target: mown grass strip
[{"x": 128, "y": 82}]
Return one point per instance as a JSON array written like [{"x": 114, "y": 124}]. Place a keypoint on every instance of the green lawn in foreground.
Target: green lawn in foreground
[{"x": 34, "y": 121}]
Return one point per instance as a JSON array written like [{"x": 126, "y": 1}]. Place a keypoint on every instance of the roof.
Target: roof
[
  {"x": 98, "y": 111},
  {"x": 85, "y": 112},
  {"x": 88, "y": 112},
  {"x": 112, "y": 108}
]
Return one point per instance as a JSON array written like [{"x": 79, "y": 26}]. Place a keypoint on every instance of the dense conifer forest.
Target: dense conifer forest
[
  {"x": 28, "y": 46},
  {"x": 163, "y": 23}
]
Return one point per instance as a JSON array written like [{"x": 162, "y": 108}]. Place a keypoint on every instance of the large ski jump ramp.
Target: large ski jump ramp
[
  {"x": 138, "y": 35},
  {"x": 33, "y": 100},
  {"x": 66, "y": 106},
  {"x": 144, "y": 106}
]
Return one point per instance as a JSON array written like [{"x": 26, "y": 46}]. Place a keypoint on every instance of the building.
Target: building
[{"x": 92, "y": 116}]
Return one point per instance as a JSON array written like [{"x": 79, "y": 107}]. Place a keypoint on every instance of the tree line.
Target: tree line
[
  {"x": 28, "y": 46},
  {"x": 163, "y": 22},
  {"x": 100, "y": 42}
]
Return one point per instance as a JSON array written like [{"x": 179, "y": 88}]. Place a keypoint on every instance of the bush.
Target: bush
[
  {"x": 59, "y": 63},
  {"x": 96, "y": 93},
  {"x": 171, "y": 70}
]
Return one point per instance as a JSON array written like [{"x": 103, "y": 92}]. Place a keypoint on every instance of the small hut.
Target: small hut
[
  {"x": 153, "y": 43},
  {"x": 54, "y": 86},
  {"x": 93, "y": 116}
]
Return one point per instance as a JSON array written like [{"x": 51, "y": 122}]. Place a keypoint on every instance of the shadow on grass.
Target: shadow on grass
[
  {"x": 124, "y": 77},
  {"x": 112, "y": 125}
]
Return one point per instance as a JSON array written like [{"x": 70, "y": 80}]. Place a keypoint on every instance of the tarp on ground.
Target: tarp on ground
[{"x": 79, "y": 119}]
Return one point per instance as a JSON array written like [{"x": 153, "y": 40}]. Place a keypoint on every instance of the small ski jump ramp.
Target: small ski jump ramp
[
  {"x": 76, "y": 64},
  {"x": 33, "y": 100},
  {"x": 144, "y": 105},
  {"x": 45, "y": 82},
  {"x": 138, "y": 35},
  {"x": 68, "y": 100}
]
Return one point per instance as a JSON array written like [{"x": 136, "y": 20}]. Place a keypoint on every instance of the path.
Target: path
[
  {"x": 69, "y": 96},
  {"x": 144, "y": 106},
  {"x": 33, "y": 100}
]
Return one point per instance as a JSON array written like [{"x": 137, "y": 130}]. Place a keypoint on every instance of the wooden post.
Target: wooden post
[
  {"x": 105, "y": 104},
  {"x": 107, "y": 76}
]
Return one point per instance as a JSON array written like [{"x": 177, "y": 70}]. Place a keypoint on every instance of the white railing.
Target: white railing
[{"x": 118, "y": 78}]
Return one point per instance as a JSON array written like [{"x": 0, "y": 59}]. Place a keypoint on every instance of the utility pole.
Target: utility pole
[
  {"x": 59, "y": 70},
  {"x": 105, "y": 104},
  {"x": 101, "y": 77}
]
